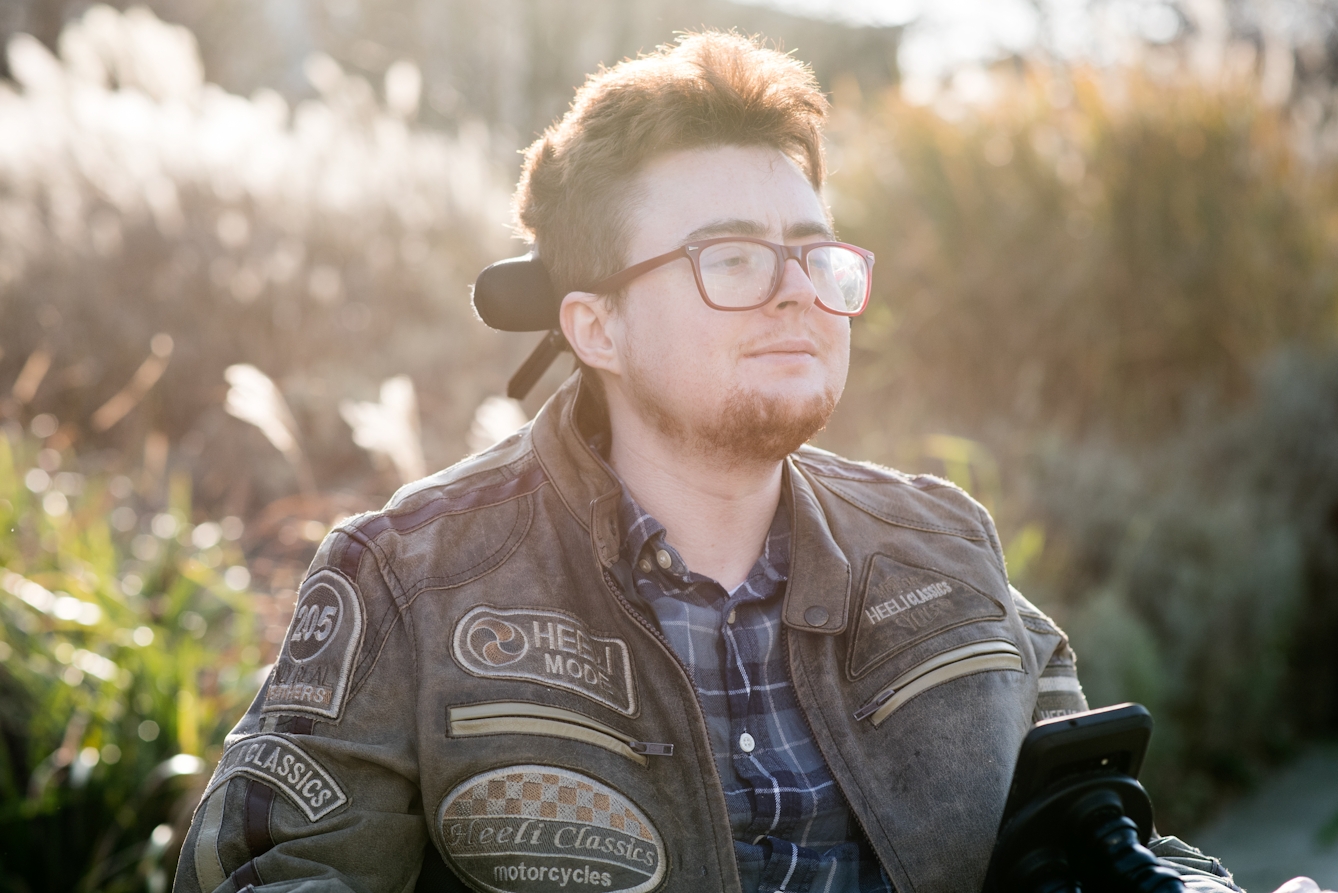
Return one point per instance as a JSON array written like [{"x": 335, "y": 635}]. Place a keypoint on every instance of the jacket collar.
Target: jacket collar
[
  {"x": 583, "y": 483},
  {"x": 817, "y": 598}
]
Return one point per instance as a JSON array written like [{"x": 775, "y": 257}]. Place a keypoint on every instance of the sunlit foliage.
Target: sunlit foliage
[
  {"x": 329, "y": 244},
  {"x": 128, "y": 645},
  {"x": 1093, "y": 252}
]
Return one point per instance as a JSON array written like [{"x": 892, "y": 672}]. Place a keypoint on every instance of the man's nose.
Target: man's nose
[{"x": 796, "y": 289}]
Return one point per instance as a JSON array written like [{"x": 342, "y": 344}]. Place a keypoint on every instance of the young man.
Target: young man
[{"x": 652, "y": 641}]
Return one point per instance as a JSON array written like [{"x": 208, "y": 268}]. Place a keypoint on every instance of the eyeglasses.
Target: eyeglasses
[{"x": 739, "y": 273}]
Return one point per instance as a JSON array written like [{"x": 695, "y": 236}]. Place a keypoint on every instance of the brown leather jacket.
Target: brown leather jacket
[{"x": 463, "y": 669}]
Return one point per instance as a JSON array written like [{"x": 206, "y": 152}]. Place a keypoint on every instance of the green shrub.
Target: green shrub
[
  {"x": 128, "y": 649},
  {"x": 1203, "y": 585}
]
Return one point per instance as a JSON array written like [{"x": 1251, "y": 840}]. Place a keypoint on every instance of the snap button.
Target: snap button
[
  {"x": 816, "y": 616},
  {"x": 746, "y": 743},
  {"x": 664, "y": 559},
  {"x": 732, "y": 616}
]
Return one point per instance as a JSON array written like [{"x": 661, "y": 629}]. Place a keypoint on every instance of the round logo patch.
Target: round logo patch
[
  {"x": 315, "y": 622},
  {"x": 525, "y": 829},
  {"x": 497, "y": 642}
]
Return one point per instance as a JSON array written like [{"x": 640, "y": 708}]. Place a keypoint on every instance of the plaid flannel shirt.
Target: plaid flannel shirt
[{"x": 793, "y": 830}]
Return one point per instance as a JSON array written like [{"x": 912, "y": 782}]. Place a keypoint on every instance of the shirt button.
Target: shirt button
[
  {"x": 731, "y": 618},
  {"x": 645, "y": 565},
  {"x": 746, "y": 743},
  {"x": 664, "y": 559}
]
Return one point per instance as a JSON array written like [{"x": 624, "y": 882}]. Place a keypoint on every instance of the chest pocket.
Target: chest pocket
[
  {"x": 923, "y": 628},
  {"x": 964, "y": 660},
  {"x": 524, "y": 718},
  {"x": 904, "y": 606}
]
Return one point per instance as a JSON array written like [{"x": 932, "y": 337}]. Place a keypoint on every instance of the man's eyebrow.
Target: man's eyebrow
[
  {"x": 733, "y": 227},
  {"x": 809, "y": 228},
  {"x": 757, "y": 230}
]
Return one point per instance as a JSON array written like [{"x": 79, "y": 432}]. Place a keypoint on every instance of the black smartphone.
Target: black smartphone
[{"x": 1112, "y": 740}]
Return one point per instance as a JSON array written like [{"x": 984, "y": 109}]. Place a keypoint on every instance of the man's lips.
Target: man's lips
[{"x": 782, "y": 349}]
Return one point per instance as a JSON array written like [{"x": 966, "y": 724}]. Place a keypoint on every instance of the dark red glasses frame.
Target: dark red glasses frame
[{"x": 692, "y": 251}]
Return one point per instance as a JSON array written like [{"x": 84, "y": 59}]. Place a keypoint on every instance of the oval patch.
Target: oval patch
[{"x": 524, "y": 829}]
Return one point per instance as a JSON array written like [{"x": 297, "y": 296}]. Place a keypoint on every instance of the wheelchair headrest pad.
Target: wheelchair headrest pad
[{"x": 516, "y": 295}]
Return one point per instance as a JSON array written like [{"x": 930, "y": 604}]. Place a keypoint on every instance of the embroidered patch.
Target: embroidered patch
[
  {"x": 285, "y": 767},
  {"x": 531, "y": 828},
  {"x": 903, "y": 605},
  {"x": 549, "y": 647},
  {"x": 316, "y": 661}
]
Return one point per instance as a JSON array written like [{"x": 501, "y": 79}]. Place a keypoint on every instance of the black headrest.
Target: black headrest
[{"x": 516, "y": 295}]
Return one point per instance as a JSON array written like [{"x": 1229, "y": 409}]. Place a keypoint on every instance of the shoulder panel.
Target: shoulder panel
[
  {"x": 494, "y": 492},
  {"x": 499, "y": 461},
  {"x": 922, "y": 502},
  {"x": 1032, "y": 616}
]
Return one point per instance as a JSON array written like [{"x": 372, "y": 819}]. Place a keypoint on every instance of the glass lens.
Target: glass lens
[
  {"x": 840, "y": 277},
  {"x": 738, "y": 274}
]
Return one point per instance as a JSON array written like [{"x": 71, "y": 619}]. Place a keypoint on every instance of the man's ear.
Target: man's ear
[{"x": 591, "y": 328}]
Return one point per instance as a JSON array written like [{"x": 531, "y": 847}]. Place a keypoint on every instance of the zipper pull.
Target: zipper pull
[
  {"x": 650, "y": 749},
  {"x": 870, "y": 708}
]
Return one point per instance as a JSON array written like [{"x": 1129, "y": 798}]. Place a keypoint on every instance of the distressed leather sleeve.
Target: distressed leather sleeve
[
  {"x": 1060, "y": 691},
  {"x": 317, "y": 788},
  {"x": 1200, "y": 873}
]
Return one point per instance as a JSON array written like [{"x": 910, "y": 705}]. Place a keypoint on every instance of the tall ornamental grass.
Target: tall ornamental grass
[
  {"x": 330, "y": 244},
  {"x": 1095, "y": 252}
]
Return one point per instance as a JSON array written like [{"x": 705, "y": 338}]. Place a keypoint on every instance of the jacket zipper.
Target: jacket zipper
[
  {"x": 615, "y": 588},
  {"x": 952, "y": 664},
  {"x": 826, "y": 758},
  {"x": 519, "y": 717}
]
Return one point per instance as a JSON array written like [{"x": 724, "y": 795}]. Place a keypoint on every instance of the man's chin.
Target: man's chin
[
  {"x": 755, "y": 427},
  {"x": 750, "y": 425}
]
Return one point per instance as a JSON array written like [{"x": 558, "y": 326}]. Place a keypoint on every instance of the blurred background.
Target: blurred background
[{"x": 236, "y": 245}]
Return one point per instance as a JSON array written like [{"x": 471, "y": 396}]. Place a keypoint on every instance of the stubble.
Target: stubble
[{"x": 746, "y": 429}]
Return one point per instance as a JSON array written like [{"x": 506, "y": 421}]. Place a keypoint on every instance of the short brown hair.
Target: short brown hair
[{"x": 708, "y": 89}]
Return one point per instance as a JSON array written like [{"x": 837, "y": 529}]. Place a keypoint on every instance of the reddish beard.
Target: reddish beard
[{"x": 749, "y": 428}]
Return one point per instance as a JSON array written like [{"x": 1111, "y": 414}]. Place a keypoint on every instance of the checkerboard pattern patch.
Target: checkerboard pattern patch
[
  {"x": 548, "y": 795},
  {"x": 534, "y": 828}
]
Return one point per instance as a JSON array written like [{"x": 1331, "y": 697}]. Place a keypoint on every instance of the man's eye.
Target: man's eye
[
  {"x": 735, "y": 260},
  {"x": 728, "y": 261}
]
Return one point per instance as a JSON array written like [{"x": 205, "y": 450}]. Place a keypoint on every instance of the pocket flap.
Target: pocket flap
[{"x": 903, "y": 605}]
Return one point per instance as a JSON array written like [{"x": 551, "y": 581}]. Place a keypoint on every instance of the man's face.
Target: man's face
[{"x": 746, "y": 385}]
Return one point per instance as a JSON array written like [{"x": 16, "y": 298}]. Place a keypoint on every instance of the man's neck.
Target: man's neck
[{"x": 715, "y": 513}]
